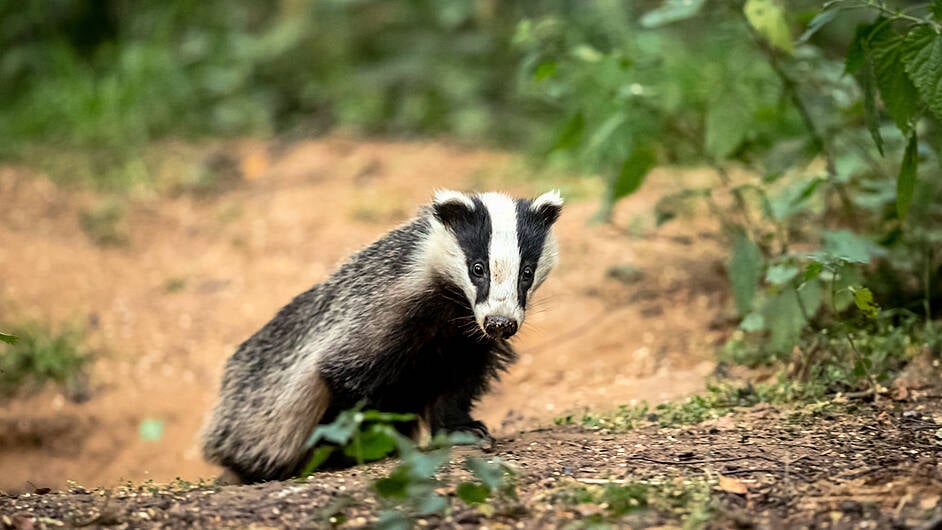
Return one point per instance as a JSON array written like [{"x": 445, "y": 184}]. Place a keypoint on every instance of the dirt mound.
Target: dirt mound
[{"x": 191, "y": 276}]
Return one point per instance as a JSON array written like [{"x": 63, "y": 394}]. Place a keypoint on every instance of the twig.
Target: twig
[
  {"x": 860, "y": 394},
  {"x": 602, "y": 481},
  {"x": 692, "y": 462}
]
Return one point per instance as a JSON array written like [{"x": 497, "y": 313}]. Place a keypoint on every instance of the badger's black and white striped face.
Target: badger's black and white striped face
[{"x": 497, "y": 249}]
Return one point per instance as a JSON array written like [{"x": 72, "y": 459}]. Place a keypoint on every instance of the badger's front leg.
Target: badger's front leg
[{"x": 452, "y": 413}]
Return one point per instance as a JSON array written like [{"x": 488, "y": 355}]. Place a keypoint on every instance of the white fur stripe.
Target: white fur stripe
[{"x": 504, "y": 258}]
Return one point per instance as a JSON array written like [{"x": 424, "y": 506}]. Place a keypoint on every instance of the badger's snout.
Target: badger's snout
[{"x": 499, "y": 327}]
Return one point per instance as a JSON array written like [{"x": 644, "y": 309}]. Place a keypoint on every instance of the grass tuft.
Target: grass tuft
[{"x": 42, "y": 356}]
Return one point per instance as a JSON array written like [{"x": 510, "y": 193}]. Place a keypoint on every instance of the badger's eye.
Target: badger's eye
[
  {"x": 527, "y": 273},
  {"x": 478, "y": 269}
]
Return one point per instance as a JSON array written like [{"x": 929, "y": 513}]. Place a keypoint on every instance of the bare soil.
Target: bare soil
[
  {"x": 854, "y": 465},
  {"x": 629, "y": 315}
]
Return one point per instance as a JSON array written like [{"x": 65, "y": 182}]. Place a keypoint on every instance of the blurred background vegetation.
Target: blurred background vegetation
[{"x": 820, "y": 123}]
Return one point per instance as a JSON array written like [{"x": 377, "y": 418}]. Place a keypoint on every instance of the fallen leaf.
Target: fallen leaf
[
  {"x": 733, "y": 485},
  {"x": 928, "y": 503}
]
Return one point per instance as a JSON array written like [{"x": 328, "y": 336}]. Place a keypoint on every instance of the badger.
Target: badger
[{"x": 417, "y": 322}]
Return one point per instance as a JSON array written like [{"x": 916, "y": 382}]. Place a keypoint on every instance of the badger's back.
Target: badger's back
[{"x": 273, "y": 394}]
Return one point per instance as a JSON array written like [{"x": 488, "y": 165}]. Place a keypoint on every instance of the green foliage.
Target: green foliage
[
  {"x": 364, "y": 436},
  {"x": 34, "y": 355},
  {"x": 99, "y": 80},
  {"x": 718, "y": 401},
  {"x": 411, "y": 489},
  {"x": 843, "y": 171},
  {"x": 745, "y": 269},
  {"x": 906, "y": 181}
]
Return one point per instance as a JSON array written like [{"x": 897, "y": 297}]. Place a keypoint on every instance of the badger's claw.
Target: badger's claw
[{"x": 474, "y": 428}]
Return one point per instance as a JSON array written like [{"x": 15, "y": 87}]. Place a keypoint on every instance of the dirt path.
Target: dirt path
[
  {"x": 839, "y": 466},
  {"x": 199, "y": 274}
]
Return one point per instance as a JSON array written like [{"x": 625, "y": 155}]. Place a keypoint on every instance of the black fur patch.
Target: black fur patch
[
  {"x": 532, "y": 227},
  {"x": 436, "y": 361},
  {"x": 472, "y": 229}
]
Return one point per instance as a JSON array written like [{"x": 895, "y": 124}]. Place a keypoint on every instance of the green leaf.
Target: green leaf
[
  {"x": 544, "y": 71},
  {"x": 868, "y": 81},
  {"x": 338, "y": 432},
  {"x": 604, "y": 133},
  {"x": 587, "y": 53},
  {"x": 863, "y": 299},
  {"x": 784, "y": 320},
  {"x": 727, "y": 120},
  {"x": 671, "y": 11},
  {"x": 394, "y": 486},
  {"x": 373, "y": 444},
  {"x": 848, "y": 277},
  {"x": 753, "y": 322},
  {"x": 860, "y": 63},
  {"x": 784, "y": 317},
  {"x": 860, "y": 368},
  {"x": 633, "y": 170},
  {"x": 856, "y": 52},
  {"x": 808, "y": 190},
  {"x": 463, "y": 438},
  {"x": 899, "y": 95},
  {"x": 427, "y": 464},
  {"x": 848, "y": 246},
  {"x": 393, "y": 520},
  {"x": 472, "y": 493},
  {"x": 318, "y": 457},
  {"x": 386, "y": 417},
  {"x": 491, "y": 473},
  {"x": 923, "y": 63},
  {"x": 818, "y": 22},
  {"x": 9, "y": 339},
  {"x": 781, "y": 273},
  {"x": 768, "y": 18},
  {"x": 431, "y": 503},
  {"x": 906, "y": 181},
  {"x": 813, "y": 270},
  {"x": 936, "y": 9},
  {"x": 745, "y": 269},
  {"x": 571, "y": 133}
]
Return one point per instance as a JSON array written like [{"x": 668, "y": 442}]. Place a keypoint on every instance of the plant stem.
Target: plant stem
[
  {"x": 900, "y": 15},
  {"x": 927, "y": 285},
  {"x": 859, "y": 358},
  {"x": 741, "y": 203},
  {"x": 790, "y": 87}
]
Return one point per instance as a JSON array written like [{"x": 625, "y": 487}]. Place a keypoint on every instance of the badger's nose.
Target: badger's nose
[{"x": 499, "y": 327}]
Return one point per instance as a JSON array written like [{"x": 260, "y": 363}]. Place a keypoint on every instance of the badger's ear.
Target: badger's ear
[
  {"x": 548, "y": 206},
  {"x": 451, "y": 207}
]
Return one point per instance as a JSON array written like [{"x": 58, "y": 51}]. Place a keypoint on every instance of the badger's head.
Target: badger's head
[{"x": 497, "y": 250}]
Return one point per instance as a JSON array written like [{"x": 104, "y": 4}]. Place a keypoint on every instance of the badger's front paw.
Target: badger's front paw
[{"x": 474, "y": 428}]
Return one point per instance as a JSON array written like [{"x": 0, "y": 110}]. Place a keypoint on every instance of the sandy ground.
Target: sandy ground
[{"x": 199, "y": 274}]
